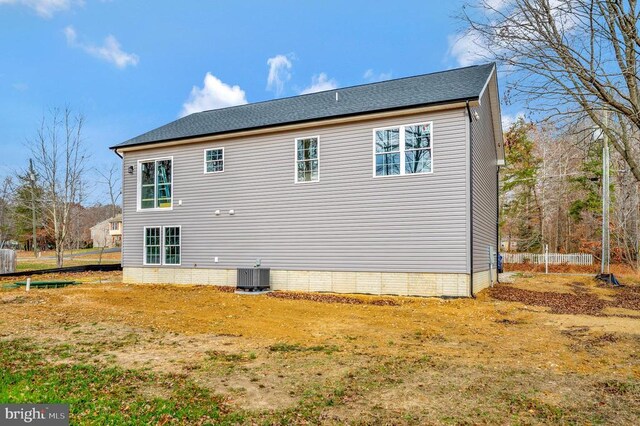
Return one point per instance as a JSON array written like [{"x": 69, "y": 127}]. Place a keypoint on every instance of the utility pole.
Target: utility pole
[
  {"x": 32, "y": 184},
  {"x": 604, "y": 267}
]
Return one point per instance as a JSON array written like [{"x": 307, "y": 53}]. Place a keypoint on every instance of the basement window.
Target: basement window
[
  {"x": 307, "y": 159},
  {"x": 155, "y": 180},
  {"x": 214, "y": 160},
  {"x": 162, "y": 245},
  {"x": 403, "y": 150}
]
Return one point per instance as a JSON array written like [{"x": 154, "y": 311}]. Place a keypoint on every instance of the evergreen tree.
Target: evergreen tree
[{"x": 521, "y": 210}]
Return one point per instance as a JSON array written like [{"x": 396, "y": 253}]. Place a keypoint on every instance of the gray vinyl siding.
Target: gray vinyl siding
[
  {"x": 348, "y": 221},
  {"x": 484, "y": 183}
]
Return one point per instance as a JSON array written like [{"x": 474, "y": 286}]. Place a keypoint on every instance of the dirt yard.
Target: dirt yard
[{"x": 545, "y": 349}]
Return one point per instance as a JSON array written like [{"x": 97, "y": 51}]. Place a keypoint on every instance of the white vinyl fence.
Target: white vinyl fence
[
  {"x": 8, "y": 261},
  {"x": 554, "y": 258}
]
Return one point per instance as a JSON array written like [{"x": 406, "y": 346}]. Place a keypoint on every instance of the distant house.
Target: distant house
[
  {"x": 107, "y": 233},
  {"x": 509, "y": 244},
  {"x": 383, "y": 188}
]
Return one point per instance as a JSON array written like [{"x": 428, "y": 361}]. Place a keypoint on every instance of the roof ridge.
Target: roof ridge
[
  {"x": 404, "y": 92},
  {"x": 342, "y": 88}
]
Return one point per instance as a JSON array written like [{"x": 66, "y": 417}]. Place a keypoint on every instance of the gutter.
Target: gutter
[{"x": 470, "y": 201}]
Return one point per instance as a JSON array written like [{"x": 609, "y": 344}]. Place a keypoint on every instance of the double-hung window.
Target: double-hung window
[
  {"x": 403, "y": 150},
  {"x": 156, "y": 179},
  {"x": 171, "y": 245},
  {"x": 152, "y": 246},
  {"x": 387, "y": 151},
  {"x": 214, "y": 160},
  {"x": 162, "y": 245},
  {"x": 307, "y": 159}
]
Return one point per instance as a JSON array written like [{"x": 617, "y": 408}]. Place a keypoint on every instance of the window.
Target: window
[
  {"x": 417, "y": 148},
  {"x": 388, "y": 152},
  {"x": 158, "y": 240},
  {"x": 214, "y": 160},
  {"x": 156, "y": 177},
  {"x": 172, "y": 245},
  {"x": 152, "y": 246},
  {"x": 307, "y": 159},
  {"x": 115, "y": 226},
  {"x": 403, "y": 150}
]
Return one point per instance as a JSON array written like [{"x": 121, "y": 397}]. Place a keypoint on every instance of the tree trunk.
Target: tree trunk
[{"x": 59, "y": 254}]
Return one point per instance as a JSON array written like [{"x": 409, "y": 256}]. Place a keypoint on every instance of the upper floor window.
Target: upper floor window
[
  {"x": 307, "y": 158},
  {"x": 156, "y": 178},
  {"x": 214, "y": 160},
  {"x": 403, "y": 150}
]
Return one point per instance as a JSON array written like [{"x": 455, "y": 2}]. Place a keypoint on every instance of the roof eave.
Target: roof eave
[
  {"x": 496, "y": 113},
  {"x": 274, "y": 127}
]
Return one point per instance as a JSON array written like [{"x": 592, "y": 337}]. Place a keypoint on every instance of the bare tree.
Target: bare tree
[
  {"x": 6, "y": 195},
  {"x": 569, "y": 60},
  {"x": 111, "y": 179},
  {"x": 60, "y": 160},
  {"x": 32, "y": 177}
]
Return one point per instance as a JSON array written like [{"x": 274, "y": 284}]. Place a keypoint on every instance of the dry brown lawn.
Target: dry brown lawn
[
  {"x": 420, "y": 361},
  {"x": 27, "y": 261}
]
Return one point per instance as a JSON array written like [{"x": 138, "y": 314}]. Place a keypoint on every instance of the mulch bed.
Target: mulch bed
[
  {"x": 628, "y": 298},
  {"x": 560, "y": 303},
  {"x": 581, "y": 303},
  {"x": 332, "y": 298}
]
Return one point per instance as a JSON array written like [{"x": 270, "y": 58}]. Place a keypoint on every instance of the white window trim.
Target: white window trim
[
  {"x": 162, "y": 253},
  {"x": 402, "y": 149},
  {"x": 144, "y": 246},
  {"x": 205, "y": 161},
  {"x": 139, "y": 184},
  {"x": 295, "y": 160}
]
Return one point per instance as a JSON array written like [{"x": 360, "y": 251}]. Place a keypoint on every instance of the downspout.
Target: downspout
[
  {"x": 470, "y": 201},
  {"x": 117, "y": 153},
  {"x": 497, "y": 221}
]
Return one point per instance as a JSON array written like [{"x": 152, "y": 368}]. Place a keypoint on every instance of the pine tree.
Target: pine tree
[{"x": 521, "y": 210}]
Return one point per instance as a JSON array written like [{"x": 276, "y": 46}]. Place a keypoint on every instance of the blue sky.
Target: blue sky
[{"x": 130, "y": 66}]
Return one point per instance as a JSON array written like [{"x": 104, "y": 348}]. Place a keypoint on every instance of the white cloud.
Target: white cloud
[
  {"x": 319, "y": 83},
  {"x": 497, "y": 4},
  {"x": 70, "y": 34},
  {"x": 20, "y": 87},
  {"x": 45, "y": 8},
  {"x": 466, "y": 48},
  {"x": 510, "y": 22},
  {"x": 213, "y": 95},
  {"x": 279, "y": 73},
  {"x": 372, "y": 77},
  {"x": 110, "y": 50},
  {"x": 509, "y": 119}
]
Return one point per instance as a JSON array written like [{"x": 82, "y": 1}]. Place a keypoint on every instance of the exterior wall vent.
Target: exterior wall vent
[{"x": 253, "y": 279}]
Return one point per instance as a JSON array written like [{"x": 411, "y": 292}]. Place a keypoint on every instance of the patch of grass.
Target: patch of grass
[
  {"x": 287, "y": 347},
  {"x": 226, "y": 357},
  {"x": 615, "y": 387},
  {"x": 101, "y": 395},
  {"x": 523, "y": 406},
  {"x": 37, "y": 265}
]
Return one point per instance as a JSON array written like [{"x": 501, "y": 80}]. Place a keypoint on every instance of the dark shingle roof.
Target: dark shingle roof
[{"x": 429, "y": 89}]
